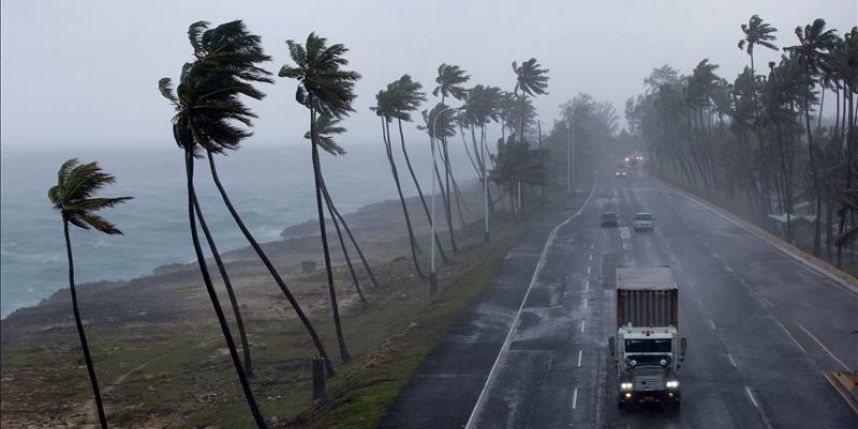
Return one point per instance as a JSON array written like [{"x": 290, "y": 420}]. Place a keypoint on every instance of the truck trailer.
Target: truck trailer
[{"x": 647, "y": 350}]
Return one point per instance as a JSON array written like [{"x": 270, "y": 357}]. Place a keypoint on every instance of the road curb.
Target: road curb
[
  {"x": 840, "y": 277},
  {"x": 845, "y": 384}
]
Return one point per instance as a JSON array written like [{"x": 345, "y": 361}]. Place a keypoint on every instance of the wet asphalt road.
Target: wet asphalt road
[{"x": 761, "y": 327}]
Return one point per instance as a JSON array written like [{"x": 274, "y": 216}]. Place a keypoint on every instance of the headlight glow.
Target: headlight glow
[
  {"x": 626, "y": 386},
  {"x": 672, "y": 384}
]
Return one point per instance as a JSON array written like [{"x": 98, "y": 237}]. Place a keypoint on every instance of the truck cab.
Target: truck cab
[{"x": 647, "y": 351}]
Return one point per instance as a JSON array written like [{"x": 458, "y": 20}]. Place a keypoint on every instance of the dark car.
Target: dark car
[{"x": 610, "y": 219}]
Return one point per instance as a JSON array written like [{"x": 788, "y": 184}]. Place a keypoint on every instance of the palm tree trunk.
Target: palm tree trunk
[
  {"x": 344, "y": 353},
  {"x": 468, "y": 150},
  {"x": 348, "y": 232},
  {"x": 320, "y": 348},
  {"x": 419, "y": 190},
  {"x": 90, "y": 368},
  {"x": 817, "y": 224},
  {"x": 242, "y": 334},
  {"x": 385, "y": 130},
  {"x": 207, "y": 281},
  {"x": 345, "y": 249}
]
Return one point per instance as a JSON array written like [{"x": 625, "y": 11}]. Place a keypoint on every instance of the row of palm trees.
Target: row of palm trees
[
  {"x": 763, "y": 141},
  {"x": 211, "y": 119}
]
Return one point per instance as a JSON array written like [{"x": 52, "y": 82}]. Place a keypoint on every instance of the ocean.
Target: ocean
[{"x": 271, "y": 187}]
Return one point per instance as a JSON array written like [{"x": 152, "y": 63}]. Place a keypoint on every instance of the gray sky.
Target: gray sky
[{"x": 84, "y": 72}]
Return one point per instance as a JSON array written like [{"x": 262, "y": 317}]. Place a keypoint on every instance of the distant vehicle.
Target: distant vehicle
[
  {"x": 610, "y": 219},
  {"x": 639, "y": 157},
  {"x": 643, "y": 221},
  {"x": 647, "y": 350},
  {"x": 621, "y": 173}
]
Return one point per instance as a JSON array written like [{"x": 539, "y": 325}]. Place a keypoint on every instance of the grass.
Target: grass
[{"x": 177, "y": 374}]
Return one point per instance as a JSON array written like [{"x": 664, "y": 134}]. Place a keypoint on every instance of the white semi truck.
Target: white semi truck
[{"x": 647, "y": 350}]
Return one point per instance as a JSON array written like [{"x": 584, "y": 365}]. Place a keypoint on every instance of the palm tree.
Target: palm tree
[
  {"x": 326, "y": 128},
  {"x": 757, "y": 32},
  {"x": 323, "y": 88},
  {"x": 532, "y": 80},
  {"x": 405, "y": 97},
  {"x": 814, "y": 42},
  {"x": 386, "y": 110},
  {"x": 73, "y": 196},
  {"x": 207, "y": 107},
  {"x": 232, "y": 54},
  {"x": 483, "y": 106},
  {"x": 450, "y": 80}
]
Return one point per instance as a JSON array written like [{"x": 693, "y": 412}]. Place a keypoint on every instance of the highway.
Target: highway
[{"x": 532, "y": 352}]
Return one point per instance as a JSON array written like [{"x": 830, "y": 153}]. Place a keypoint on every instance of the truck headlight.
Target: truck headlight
[
  {"x": 672, "y": 384},
  {"x": 626, "y": 386}
]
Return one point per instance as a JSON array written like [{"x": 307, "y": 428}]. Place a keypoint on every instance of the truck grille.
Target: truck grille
[{"x": 649, "y": 379}]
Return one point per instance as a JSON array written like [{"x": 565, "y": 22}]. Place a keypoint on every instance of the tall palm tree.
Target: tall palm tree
[
  {"x": 324, "y": 88},
  {"x": 74, "y": 197},
  {"x": 386, "y": 110},
  {"x": 232, "y": 54},
  {"x": 406, "y": 96},
  {"x": 207, "y": 108},
  {"x": 814, "y": 43},
  {"x": 756, "y": 32},
  {"x": 450, "y": 80},
  {"x": 532, "y": 80},
  {"x": 326, "y": 128}
]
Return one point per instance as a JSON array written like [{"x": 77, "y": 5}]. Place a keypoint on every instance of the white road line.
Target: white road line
[
  {"x": 539, "y": 266},
  {"x": 765, "y": 301},
  {"x": 732, "y": 361},
  {"x": 744, "y": 283},
  {"x": 592, "y": 244},
  {"x": 575, "y": 398},
  {"x": 791, "y": 337},
  {"x": 587, "y": 284},
  {"x": 580, "y": 355},
  {"x": 583, "y": 323},
  {"x": 590, "y": 259},
  {"x": 589, "y": 267},
  {"x": 822, "y": 345},
  {"x": 699, "y": 301},
  {"x": 712, "y": 324},
  {"x": 729, "y": 270},
  {"x": 585, "y": 302},
  {"x": 751, "y": 397}
]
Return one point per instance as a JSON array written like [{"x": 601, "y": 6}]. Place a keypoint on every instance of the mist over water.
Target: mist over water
[{"x": 271, "y": 187}]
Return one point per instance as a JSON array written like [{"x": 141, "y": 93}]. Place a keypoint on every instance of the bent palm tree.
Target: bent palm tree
[
  {"x": 73, "y": 196},
  {"x": 326, "y": 128},
  {"x": 450, "y": 80},
  {"x": 234, "y": 54},
  {"x": 323, "y": 88},
  {"x": 532, "y": 80},
  {"x": 385, "y": 109},
  {"x": 757, "y": 32}
]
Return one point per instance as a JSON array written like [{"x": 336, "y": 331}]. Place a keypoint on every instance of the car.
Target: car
[
  {"x": 643, "y": 221},
  {"x": 610, "y": 219},
  {"x": 621, "y": 173}
]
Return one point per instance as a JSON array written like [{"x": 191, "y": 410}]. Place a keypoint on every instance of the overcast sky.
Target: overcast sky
[{"x": 84, "y": 72}]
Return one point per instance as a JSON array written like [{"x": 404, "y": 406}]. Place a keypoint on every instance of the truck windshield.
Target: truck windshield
[{"x": 648, "y": 346}]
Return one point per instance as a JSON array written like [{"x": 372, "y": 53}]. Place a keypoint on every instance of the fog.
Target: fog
[{"x": 85, "y": 72}]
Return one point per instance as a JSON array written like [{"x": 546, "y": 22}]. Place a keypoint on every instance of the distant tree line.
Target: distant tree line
[{"x": 763, "y": 144}]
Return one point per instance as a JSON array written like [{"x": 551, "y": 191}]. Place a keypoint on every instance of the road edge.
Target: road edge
[{"x": 843, "y": 279}]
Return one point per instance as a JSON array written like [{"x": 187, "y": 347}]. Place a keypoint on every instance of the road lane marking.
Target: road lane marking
[
  {"x": 765, "y": 301},
  {"x": 589, "y": 267},
  {"x": 591, "y": 245},
  {"x": 751, "y": 396},
  {"x": 822, "y": 345},
  {"x": 585, "y": 302},
  {"x": 583, "y": 322},
  {"x": 539, "y": 266},
  {"x": 791, "y": 337},
  {"x": 580, "y": 355},
  {"x": 712, "y": 324},
  {"x": 732, "y": 361},
  {"x": 590, "y": 258},
  {"x": 744, "y": 283},
  {"x": 729, "y": 270},
  {"x": 587, "y": 284},
  {"x": 575, "y": 398},
  {"x": 699, "y": 301}
]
